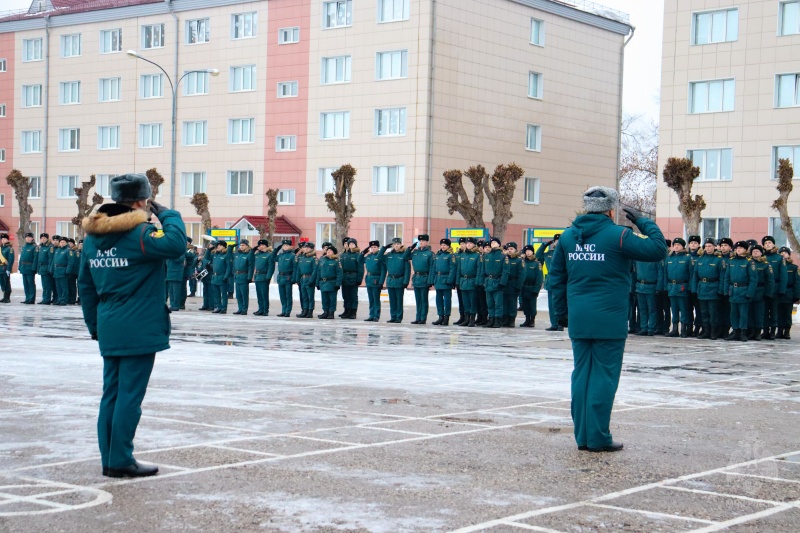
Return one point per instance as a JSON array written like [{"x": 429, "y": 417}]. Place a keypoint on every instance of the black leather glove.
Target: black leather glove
[
  {"x": 413, "y": 245},
  {"x": 562, "y": 322},
  {"x": 549, "y": 243},
  {"x": 94, "y": 336},
  {"x": 156, "y": 208},
  {"x": 632, "y": 214}
]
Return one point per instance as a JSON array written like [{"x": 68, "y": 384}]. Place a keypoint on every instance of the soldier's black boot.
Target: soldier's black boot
[
  {"x": 6, "y": 297},
  {"x": 684, "y": 331},
  {"x": 510, "y": 321},
  {"x": 674, "y": 332},
  {"x": 526, "y": 324},
  {"x": 734, "y": 336},
  {"x": 743, "y": 335},
  {"x": 704, "y": 333},
  {"x": 757, "y": 334},
  {"x": 498, "y": 322},
  {"x": 489, "y": 323},
  {"x": 301, "y": 314},
  {"x": 446, "y": 320},
  {"x": 323, "y": 315},
  {"x": 481, "y": 320},
  {"x": 463, "y": 323},
  {"x": 772, "y": 336},
  {"x": 471, "y": 321},
  {"x": 714, "y": 333},
  {"x": 750, "y": 333},
  {"x": 786, "y": 334},
  {"x": 460, "y": 320},
  {"x": 438, "y": 322}
]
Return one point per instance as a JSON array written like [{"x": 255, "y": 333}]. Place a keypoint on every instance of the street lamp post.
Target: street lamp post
[{"x": 174, "y": 88}]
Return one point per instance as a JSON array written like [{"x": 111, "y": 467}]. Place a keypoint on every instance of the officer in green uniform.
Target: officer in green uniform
[
  {"x": 662, "y": 300},
  {"x": 516, "y": 277},
  {"x": 649, "y": 278},
  {"x": 422, "y": 263},
  {"x": 740, "y": 284},
  {"x": 771, "y": 303},
  {"x": 122, "y": 295},
  {"x": 590, "y": 281},
  {"x": 726, "y": 253},
  {"x": 532, "y": 284},
  {"x": 305, "y": 274},
  {"x": 443, "y": 279},
  {"x": 708, "y": 283},
  {"x": 6, "y": 267},
  {"x": 174, "y": 277},
  {"x": 28, "y": 262},
  {"x": 463, "y": 319},
  {"x": 678, "y": 276},
  {"x": 398, "y": 274},
  {"x": 286, "y": 260},
  {"x": 375, "y": 266},
  {"x": 765, "y": 288},
  {"x": 220, "y": 273},
  {"x": 206, "y": 266},
  {"x": 263, "y": 270},
  {"x": 545, "y": 256},
  {"x": 243, "y": 275},
  {"x": 693, "y": 249},
  {"x": 468, "y": 263},
  {"x": 44, "y": 267},
  {"x": 494, "y": 276},
  {"x": 328, "y": 278},
  {"x": 73, "y": 267},
  {"x": 791, "y": 296},
  {"x": 352, "y": 261},
  {"x": 481, "y": 306},
  {"x": 188, "y": 271},
  {"x": 60, "y": 264}
]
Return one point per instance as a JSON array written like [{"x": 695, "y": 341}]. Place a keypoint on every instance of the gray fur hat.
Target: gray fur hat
[
  {"x": 600, "y": 199},
  {"x": 130, "y": 188}
]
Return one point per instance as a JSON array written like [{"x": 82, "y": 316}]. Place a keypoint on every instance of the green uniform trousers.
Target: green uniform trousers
[
  {"x": 262, "y": 296},
  {"x": 231, "y": 285},
  {"x": 785, "y": 314},
  {"x": 494, "y": 301},
  {"x": 62, "y": 287},
  {"x": 307, "y": 297},
  {"x": 29, "y": 285},
  {"x": 550, "y": 308},
  {"x": 208, "y": 295},
  {"x": 374, "y": 295},
  {"x": 648, "y": 317},
  {"x": 444, "y": 302},
  {"x": 756, "y": 318},
  {"x": 468, "y": 302},
  {"x": 174, "y": 294},
  {"x": 350, "y": 297},
  {"x": 481, "y": 305},
  {"x": 510, "y": 305},
  {"x": 192, "y": 286},
  {"x": 72, "y": 286},
  {"x": 771, "y": 312},
  {"x": 681, "y": 310},
  {"x": 47, "y": 288},
  {"x": 242, "y": 296},
  {"x": 328, "y": 300},
  {"x": 396, "y": 304},
  {"x": 124, "y": 385},
  {"x": 421, "y": 299},
  {"x": 739, "y": 315},
  {"x": 528, "y": 300},
  {"x": 184, "y": 294},
  {"x": 220, "y": 296},
  {"x": 709, "y": 313},
  {"x": 285, "y": 293},
  {"x": 595, "y": 378}
]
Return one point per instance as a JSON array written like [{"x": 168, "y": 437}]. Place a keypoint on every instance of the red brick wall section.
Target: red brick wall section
[{"x": 8, "y": 53}]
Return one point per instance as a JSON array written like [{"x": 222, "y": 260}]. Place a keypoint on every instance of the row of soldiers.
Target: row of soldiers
[
  {"x": 738, "y": 292},
  {"x": 57, "y": 262},
  {"x": 489, "y": 278}
]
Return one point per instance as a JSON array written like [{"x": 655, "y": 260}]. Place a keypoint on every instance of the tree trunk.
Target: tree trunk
[
  {"x": 156, "y": 180},
  {"x": 785, "y": 186},
  {"x": 82, "y": 201},
  {"x": 22, "y": 189},
  {"x": 458, "y": 200},
  {"x": 679, "y": 175},
  {"x": 201, "y": 207},
  {"x": 340, "y": 201},
  {"x": 504, "y": 180},
  {"x": 272, "y": 213}
]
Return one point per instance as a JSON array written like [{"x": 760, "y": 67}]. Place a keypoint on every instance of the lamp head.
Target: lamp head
[{"x": 132, "y": 53}]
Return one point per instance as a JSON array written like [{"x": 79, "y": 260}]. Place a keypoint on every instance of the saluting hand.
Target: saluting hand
[
  {"x": 632, "y": 214},
  {"x": 156, "y": 208}
]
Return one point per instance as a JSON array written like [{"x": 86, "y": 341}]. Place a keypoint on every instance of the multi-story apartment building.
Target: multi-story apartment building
[
  {"x": 400, "y": 89},
  {"x": 730, "y": 101}
]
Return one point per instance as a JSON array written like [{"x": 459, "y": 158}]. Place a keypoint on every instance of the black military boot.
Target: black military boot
[
  {"x": 463, "y": 323},
  {"x": 757, "y": 334},
  {"x": 526, "y": 324},
  {"x": 750, "y": 333},
  {"x": 499, "y": 322},
  {"x": 510, "y": 321},
  {"x": 6, "y": 297},
  {"x": 684, "y": 331},
  {"x": 438, "y": 322},
  {"x": 734, "y": 336},
  {"x": 481, "y": 320},
  {"x": 714, "y": 333},
  {"x": 674, "y": 332},
  {"x": 771, "y": 336},
  {"x": 743, "y": 335},
  {"x": 704, "y": 333},
  {"x": 461, "y": 319},
  {"x": 786, "y": 334},
  {"x": 323, "y": 316},
  {"x": 302, "y": 314},
  {"x": 489, "y": 323},
  {"x": 471, "y": 321}
]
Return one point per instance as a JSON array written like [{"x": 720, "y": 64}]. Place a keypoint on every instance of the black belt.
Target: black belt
[
  {"x": 327, "y": 279},
  {"x": 643, "y": 282},
  {"x": 420, "y": 273},
  {"x": 468, "y": 277},
  {"x": 493, "y": 277},
  {"x": 760, "y": 285},
  {"x": 240, "y": 272},
  {"x": 675, "y": 282},
  {"x": 305, "y": 276},
  {"x": 395, "y": 277},
  {"x": 707, "y": 280},
  {"x": 740, "y": 284},
  {"x": 530, "y": 284},
  {"x": 284, "y": 273}
]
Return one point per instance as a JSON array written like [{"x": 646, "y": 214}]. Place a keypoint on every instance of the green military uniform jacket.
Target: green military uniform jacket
[
  {"x": 494, "y": 274},
  {"x": 28, "y": 258},
  {"x": 175, "y": 266},
  {"x": 263, "y": 265},
  {"x": 305, "y": 269},
  {"x": 206, "y": 264},
  {"x": 445, "y": 269},
  {"x": 649, "y": 277},
  {"x": 532, "y": 276},
  {"x": 286, "y": 262},
  {"x": 468, "y": 269},
  {"x": 220, "y": 267},
  {"x": 422, "y": 263},
  {"x": 61, "y": 262},
  {"x": 375, "y": 265},
  {"x": 8, "y": 252},
  {"x": 544, "y": 254},
  {"x": 516, "y": 273},
  {"x": 678, "y": 274},
  {"x": 329, "y": 273},
  {"x": 778, "y": 265},
  {"x": 191, "y": 263},
  {"x": 398, "y": 268},
  {"x": 352, "y": 266},
  {"x": 44, "y": 264},
  {"x": 74, "y": 263},
  {"x": 766, "y": 279},
  {"x": 792, "y": 283},
  {"x": 243, "y": 265},
  {"x": 741, "y": 280},
  {"x": 122, "y": 283},
  {"x": 708, "y": 279}
]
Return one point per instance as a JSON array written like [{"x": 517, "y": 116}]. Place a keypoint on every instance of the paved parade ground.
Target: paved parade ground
[{"x": 270, "y": 424}]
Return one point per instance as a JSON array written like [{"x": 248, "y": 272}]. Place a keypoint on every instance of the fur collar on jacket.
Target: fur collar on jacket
[
  {"x": 102, "y": 224},
  {"x": 310, "y": 253},
  {"x": 514, "y": 255},
  {"x": 400, "y": 251},
  {"x": 326, "y": 256},
  {"x": 355, "y": 250}
]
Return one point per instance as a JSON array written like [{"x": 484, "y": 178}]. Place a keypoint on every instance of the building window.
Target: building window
[
  {"x": 789, "y": 18},
  {"x": 2, "y": 200},
  {"x": 192, "y": 182},
  {"x": 780, "y": 236},
  {"x": 108, "y": 137},
  {"x": 535, "y": 85},
  {"x": 787, "y": 90},
  {"x": 533, "y": 140},
  {"x": 71, "y": 45},
  {"x": 194, "y": 230},
  {"x": 31, "y": 142},
  {"x": 240, "y": 182},
  {"x": 286, "y": 197},
  {"x": 69, "y": 92},
  {"x": 384, "y": 232},
  {"x": 390, "y": 122},
  {"x": 287, "y": 89},
  {"x": 336, "y": 69},
  {"x": 334, "y": 125},
  {"x": 715, "y": 228},
  {"x": 244, "y": 25},
  {"x": 66, "y": 229},
  {"x": 715, "y": 26},
  {"x": 388, "y": 179},
  {"x": 69, "y": 139},
  {"x": 31, "y": 50},
  {"x": 101, "y": 184},
  {"x": 153, "y": 36},
  {"x": 289, "y": 35},
  {"x": 198, "y": 31},
  {"x": 714, "y": 165},
  {"x": 325, "y": 182},
  {"x": 393, "y": 10},
  {"x": 337, "y": 14},
  {"x": 324, "y": 233},
  {"x": 286, "y": 143},
  {"x": 3, "y": 65},
  {"x": 792, "y": 153},
  {"x": 537, "y": 32},
  {"x": 2, "y": 155},
  {"x": 241, "y": 130},
  {"x": 2, "y": 110},
  {"x": 243, "y": 78},
  {"x": 196, "y": 83},
  {"x": 31, "y": 95},
  {"x": 195, "y": 133},
  {"x": 531, "y": 191},
  {"x": 66, "y": 188},
  {"x": 152, "y": 86},
  {"x": 110, "y": 41},
  {"x": 150, "y": 136},
  {"x": 109, "y": 89},
  {"x": 36, "y": 188},
  {"x": 711, "y": 96},
  {"x": 392, "y": 65}
]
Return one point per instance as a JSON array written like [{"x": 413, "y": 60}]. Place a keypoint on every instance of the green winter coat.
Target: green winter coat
[
  {"x": 778, "y": 265},
  {"x": 708, "y": 279},
  {"x": 305, "y": 269},
  {"x": 61, "y": 262},
  {"x": 175, "y": 266},
  {"x": 352, "y": 266},
  {"x": 516, "y": 273},
  {"x": 44, "y": 265},
  {"x": 243, "y": 265},
  {"x": 263, "y": 265},
  {"x": 741, "y": 280},
  {"x": 191, "y": 263},
  {"x": 792, "y": 283},
  {"x": 494, "y": 274},
  {"x": 591, "y": 270},
  {"x": 8, "y": 252},
  {"x": 28, "y": 258},
  {"x": 422, "y": 263},
  {"x": 375, "y": 266},
  {"x": 469, "y": 266},
  {"x": 398, "y": 268},
  {"x": 545, "y": 258},
  {"x": 532, "y": 276},
  {"x": 74, "y": 263},
  {"x": 678, "y": 274},
  {"x": 121, "y": 282},
  {"x": 445, "y": 268},
  {"x": 649, "y": 277},
  {"x": 206, "y": 264},
  {"x": 285, "y": 266},
  {"x": 766, "y": 279},
  {"x": 220, "y": 267},
  {"x": 329, "y": 273}
]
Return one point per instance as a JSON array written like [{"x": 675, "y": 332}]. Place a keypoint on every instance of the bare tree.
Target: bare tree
[
  {"x": 785, "y": 175},
  {"x": 156, "y": 180},
  {"x": 504, "y": 181},
  {"x": 340, "y": 201},
  {"x": 84, "y": 209},
  {"x": 201, "y": 206},
  {"x": 679, "y": 175},
  {"x": 458, "y": 200},
  {"x": 22, "y": 189},
  {"x": 638, "y": 172},
  {"x": 272, "y": 212}
]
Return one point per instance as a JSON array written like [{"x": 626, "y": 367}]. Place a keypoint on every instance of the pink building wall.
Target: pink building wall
[{"x": 7, "y": 52}]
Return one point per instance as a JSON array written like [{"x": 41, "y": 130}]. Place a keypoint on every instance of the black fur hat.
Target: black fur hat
[{"x": 130, "y": 188}]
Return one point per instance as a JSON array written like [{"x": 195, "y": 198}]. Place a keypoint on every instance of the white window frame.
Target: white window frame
[
  {"x": 157, "y": 38},
  {"x": 539, "y": 77},
  {"x": 325, "y": 232},
  {"x": 194, "y": 230},
  {"x": 781, "y": 14},
  {"x": 35, "y": 99},
  {"x": 239, "y": 21},
  {"x": 3, "y": 200},
  {"x": 537, "y": 137},
  {"x": 71, "y": 89},
  {"x": 148, "y": 131},
  {"x": 336, "y": 65},
  {"x": 198, "y": 183},
  {"x": 333, "y": 117},
  {"x": 726, "y": 12},
  {"x": 537, "y": 37},
  {"x": 327, "y": 23},
  {"x": 3, "y": 64},
  {"x": 196, "y": 83},
  {"x": 2, "y": 155},
  {"x": 793, "y": 158},
  {"x": 35, "y": 141},
  {"x": 107, "y": 38},
  {"x": 289, "y": 35},
  {"x": 325, "y": 183},
  {"x": 795, "y": 91},
  {"x": 375, "y": 227},
  {"x": 200, "y": 29},
  {"x": 381, "y": 177},
  {"x": 393, "y": 11},
  {"x": 235, "y": 124},
  {"x": 190, "y": 133},
  {"x": 66, "y": 228},
  {"x": 286, "y": 196},
  {"x": 151, "y": 81},
  {"x": 32, "y": 50},
  {"x": 717, "y": 234},
  {"x": 726, "y": 87},
  {"x": 102, "y": 184},
  {"x": 67, "y": 185},
  {"x": 389, "y": 54},
  {"x": 71, "y": 45},
  {"x": 114, "y": 88},
  {"x": 2, "y": 110},
  {"x": 774, "y": 229},
  {"x": 242, "y": 74},
  {"x": 238, "y": 175},
  {"x": 537, "y": 184},
  {"x": 288, "y": 89},
  {"x": 35, "y": 192},
  {"x": 386, "y": 117},
  {"x": 110, "y": 134},
  {"x": 702, "y": 178},
  {"x": 286, "y": 143},
  {"x": 69, "y": 139}
]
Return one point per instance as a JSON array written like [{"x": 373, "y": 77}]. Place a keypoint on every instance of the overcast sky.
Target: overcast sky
[{"x": 642, "y": 56}]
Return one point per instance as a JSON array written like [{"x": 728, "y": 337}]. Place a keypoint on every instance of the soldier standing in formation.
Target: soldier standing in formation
[
  {"x": 263, "y": 270},
  {"x": 545, "y": 256},
  {"x": 677, "y": 276},
  {"x": 468, "y": 265},
  {"x": 708, "y": 284},
  {"x": 693, "y": 249},
  {"x": 174, "y": 277},
  {"x": 60, "y": 264},
  {"x": 191, "y": 269},
  {"x": 765, "y": 288},
  {"x": 778, "y": 265},
  {"x": 6, "y": 265},
  {"x": 328, "y": 279},
  {"x": 515, "y": 267},
  {"x": 242, "y": 275},
  {"x": 73, "y": 267},
  {"x": 205, "y": 266},
  {"x": 740, "y": 283},
  {"x": 791, "y": 296},
  {"x": 375, "y": 266},
  {"x": 28, "y": 262},
  {"x": 352, "y": 261},
  {"x": 398, "y": 274},
  {"x": 531, "y": 286},
  {"x": 445, "y": 268},
  {"x": 220, "y": 272},
  {"x": 462, "y": 311},
  {"x": 493, "y": 277},
  {"x": 305, "y": 273},
  {"x": 726, "y": 252},
  {"x": 481, "y": 303},
  {"x": 649, "y": 279},
  {"x": 44, "y": 267},
  {"x": 286, "y": 261},
  {"x": 422, "y": 263}
]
